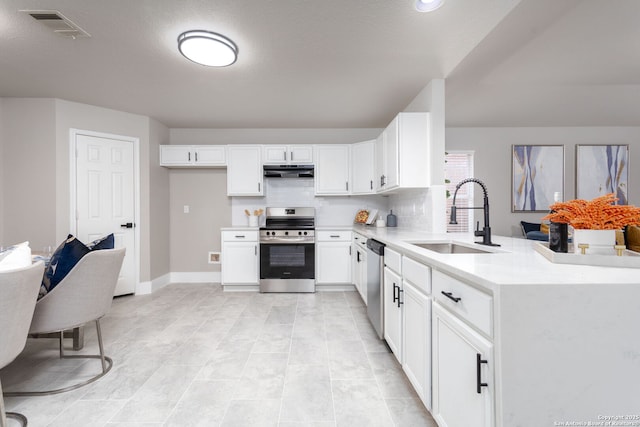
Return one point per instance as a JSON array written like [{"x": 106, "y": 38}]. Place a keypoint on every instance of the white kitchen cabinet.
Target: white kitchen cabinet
[
  {"x": 332, "y": 169},
  {"x": 193, "y": 155},
  {"x": 359, "y": 264},
  {"x": 240, "y": 259},
  {"x": 244, "y": 170},
  {"x": 333, "y": 257},
  {"x": 462, "y": 373},
  {"x": 287, "y": 154},
  {"x": 363, "y": 167},
  {"x": 393, "y": 300},
  {"x": 402, "y": 154},
  {"x": 417, "y": 340}
]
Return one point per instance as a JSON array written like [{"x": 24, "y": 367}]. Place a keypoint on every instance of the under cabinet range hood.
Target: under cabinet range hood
[{"x": 288, "y": 171}]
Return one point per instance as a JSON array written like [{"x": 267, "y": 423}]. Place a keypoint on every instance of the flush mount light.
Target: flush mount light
[
  {"x": 207, "y": 48},
  {"x": 428, "y": 5}
]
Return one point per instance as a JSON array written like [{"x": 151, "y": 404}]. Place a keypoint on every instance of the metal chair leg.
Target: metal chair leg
[
  {"x": 4, "y": 415},
  {"x": 107, "y": 364}
]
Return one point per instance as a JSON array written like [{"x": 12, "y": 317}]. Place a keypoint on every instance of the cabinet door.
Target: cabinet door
[
  {"x": 380, "y": 168},
  {"x": 301, "y": 154},
  {"x": 393, "y": 312},
  {"x": 417, "y": 341},
  {"x": 176, "y": 155},
  {"x": 333, "y": 262},
  {"x": 244, "y": 170},
  {"x": 332, "y": 170},
  {"x": 274, "y": 154},
  {"x": 390, "y": 142},
  {"x": 363, "y": 164},
  {"x": 360, "y": 271},
  {"x": 460, "y": 398},
  {"x": 209, "y": 155},
  {"x": 240, "y": 263}
]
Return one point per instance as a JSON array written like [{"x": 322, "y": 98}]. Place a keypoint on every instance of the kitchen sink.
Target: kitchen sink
[{"x": 452, "y": 248}]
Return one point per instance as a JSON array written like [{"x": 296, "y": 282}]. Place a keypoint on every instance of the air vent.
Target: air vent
[{"x": 57, "y": 23}]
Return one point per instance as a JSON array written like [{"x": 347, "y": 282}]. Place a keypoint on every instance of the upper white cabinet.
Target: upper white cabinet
[
  {"x": 193, "y": 155},
  {"x": 363, "y": 167},
  {"x": 244, "y": 170},
  {"x": 287, "y": 154},
  {"x": 402, "y": 157},
  {"x": 332, "y": 170}
]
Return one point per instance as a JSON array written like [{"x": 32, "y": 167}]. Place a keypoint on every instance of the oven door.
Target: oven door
[{"x": 287, "y": 261}]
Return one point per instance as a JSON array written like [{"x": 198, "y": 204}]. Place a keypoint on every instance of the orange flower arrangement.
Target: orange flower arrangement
[{"x": 597, "y": 214}]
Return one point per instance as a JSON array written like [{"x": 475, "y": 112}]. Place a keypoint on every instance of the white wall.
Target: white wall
[
  {"x": 1, "y": 171},
  {"x": 492, "y": 163},
  {"x": 159, "y": 203},
  {"x": 29, "y": 171},
  {"x": 425, "y": 209}
]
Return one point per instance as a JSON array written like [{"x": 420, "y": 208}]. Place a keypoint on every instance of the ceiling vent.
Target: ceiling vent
[{"x": 57, "y": 23}]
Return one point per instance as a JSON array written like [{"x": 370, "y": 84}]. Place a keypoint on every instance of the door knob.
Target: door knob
[{"x": 127, "y": 225}]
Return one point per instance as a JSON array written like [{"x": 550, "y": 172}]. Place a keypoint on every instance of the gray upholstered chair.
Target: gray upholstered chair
[
  {"x": 83, "y": 296},
  {"x": 18, "y": 295}
]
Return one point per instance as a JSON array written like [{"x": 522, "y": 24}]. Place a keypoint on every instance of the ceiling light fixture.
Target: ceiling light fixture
[
  {"x": 428, "y": 5},
  {"x": 207, "y": 48}
]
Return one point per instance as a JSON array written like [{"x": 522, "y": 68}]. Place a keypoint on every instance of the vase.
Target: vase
[{"x": 596, "y": 239}]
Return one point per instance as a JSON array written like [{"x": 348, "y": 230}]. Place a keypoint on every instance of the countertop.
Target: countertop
[{"x": 515, "y": 262}]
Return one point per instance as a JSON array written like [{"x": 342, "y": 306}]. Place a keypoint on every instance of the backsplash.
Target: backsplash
[
  {"x": 421, "y": 209},
  {"x": 297, "y": 192}
]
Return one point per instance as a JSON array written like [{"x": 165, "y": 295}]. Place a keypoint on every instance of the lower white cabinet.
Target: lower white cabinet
[
  {"x": 359, "y": 265},
  {"x": 240, "y": 257},
  {"x": 393, "y": 300},
  {"x": 333, "y": 257},
  {"x": 417, "y": 341},
  {"x": 463, "y": 388}
]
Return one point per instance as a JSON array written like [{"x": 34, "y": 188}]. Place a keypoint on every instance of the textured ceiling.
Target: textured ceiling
[
  {"x": 335, "y": 63},
  {"x": 302, "y": 63}
]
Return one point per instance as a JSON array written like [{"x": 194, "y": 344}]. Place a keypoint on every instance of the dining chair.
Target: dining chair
[
  {"x": 83, "y": 296},
  {"x": 18, "y": 294}
]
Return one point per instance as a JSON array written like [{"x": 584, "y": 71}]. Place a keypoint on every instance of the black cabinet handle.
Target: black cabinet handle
[
  {"x": 400, "y": 299},
  {"x": 395, "y": 298},
  {"x": 240, "y": 236},
  {"x": 196, "y": 154},
  {"x": 451, "y": 297},
  {"x": 371, "y": 184},
  {"x": 357, "y": 256},
  {"x": 189, "y": 155},
  {"x": 479, "y": 383}
]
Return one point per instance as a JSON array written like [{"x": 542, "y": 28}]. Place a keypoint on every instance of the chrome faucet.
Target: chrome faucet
[{"x": 486, "y": 230}]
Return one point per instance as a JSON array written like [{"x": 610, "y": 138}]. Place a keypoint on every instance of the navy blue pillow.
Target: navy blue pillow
[
  {"x": 65, "y": 257},
  {"x": 107, "y": 242}
]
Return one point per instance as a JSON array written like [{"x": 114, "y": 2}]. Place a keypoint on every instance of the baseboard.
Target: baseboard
[
  {"x": 335, "y": 288},
  {"x": 196, "y": 277},
  {"x": 144, "y": 288}
]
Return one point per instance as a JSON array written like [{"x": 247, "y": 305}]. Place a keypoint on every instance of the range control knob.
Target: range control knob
[
  {"x": 305, "y": 233},
  {"x": 286, "y": 233}
]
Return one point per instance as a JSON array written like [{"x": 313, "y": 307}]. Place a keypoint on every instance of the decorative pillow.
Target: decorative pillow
[
  {"x": 529, "y": 226},
  {"x": 65, "y": 257},
  {"x": 16, "y": 256},
  {"x": 107, "y": 242}
]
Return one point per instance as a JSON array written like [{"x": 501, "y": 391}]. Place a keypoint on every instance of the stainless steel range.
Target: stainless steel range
[{"x": 287, "y": 250}]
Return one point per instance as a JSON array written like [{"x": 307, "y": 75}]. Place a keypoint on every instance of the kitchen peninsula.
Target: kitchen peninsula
[{"x": 520, "y": 341}]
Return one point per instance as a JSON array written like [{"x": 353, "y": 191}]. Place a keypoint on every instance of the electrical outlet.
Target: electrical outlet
[
  {"x": 185, "y": 208},
  {"x": 214, "y": 257}
]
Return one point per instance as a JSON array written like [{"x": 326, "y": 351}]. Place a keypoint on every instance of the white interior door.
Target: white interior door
[{"x": 105, "y": 197}]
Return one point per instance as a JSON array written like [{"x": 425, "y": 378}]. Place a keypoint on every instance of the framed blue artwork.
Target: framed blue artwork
[
  {"x": 537, "y": 173},
  {"x": 602, "y": 169}
]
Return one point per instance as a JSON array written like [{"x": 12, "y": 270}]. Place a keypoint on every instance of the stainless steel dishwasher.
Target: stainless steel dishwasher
[{"x": 375, "y": 268}]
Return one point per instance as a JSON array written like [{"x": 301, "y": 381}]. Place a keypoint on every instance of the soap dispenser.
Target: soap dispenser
[{"x": 392, "y": 220}]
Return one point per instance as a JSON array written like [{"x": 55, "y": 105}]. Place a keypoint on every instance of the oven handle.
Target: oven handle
[{"x": 280, "y": 241}]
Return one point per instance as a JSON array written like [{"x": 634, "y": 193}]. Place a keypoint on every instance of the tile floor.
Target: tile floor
[{"x": 192, "y": 355}]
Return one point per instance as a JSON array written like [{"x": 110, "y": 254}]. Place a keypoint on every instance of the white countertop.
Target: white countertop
[{"x": 515, "y": 262}]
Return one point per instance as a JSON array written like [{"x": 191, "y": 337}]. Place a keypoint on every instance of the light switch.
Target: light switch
[{"x": 186, "y": 208}]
